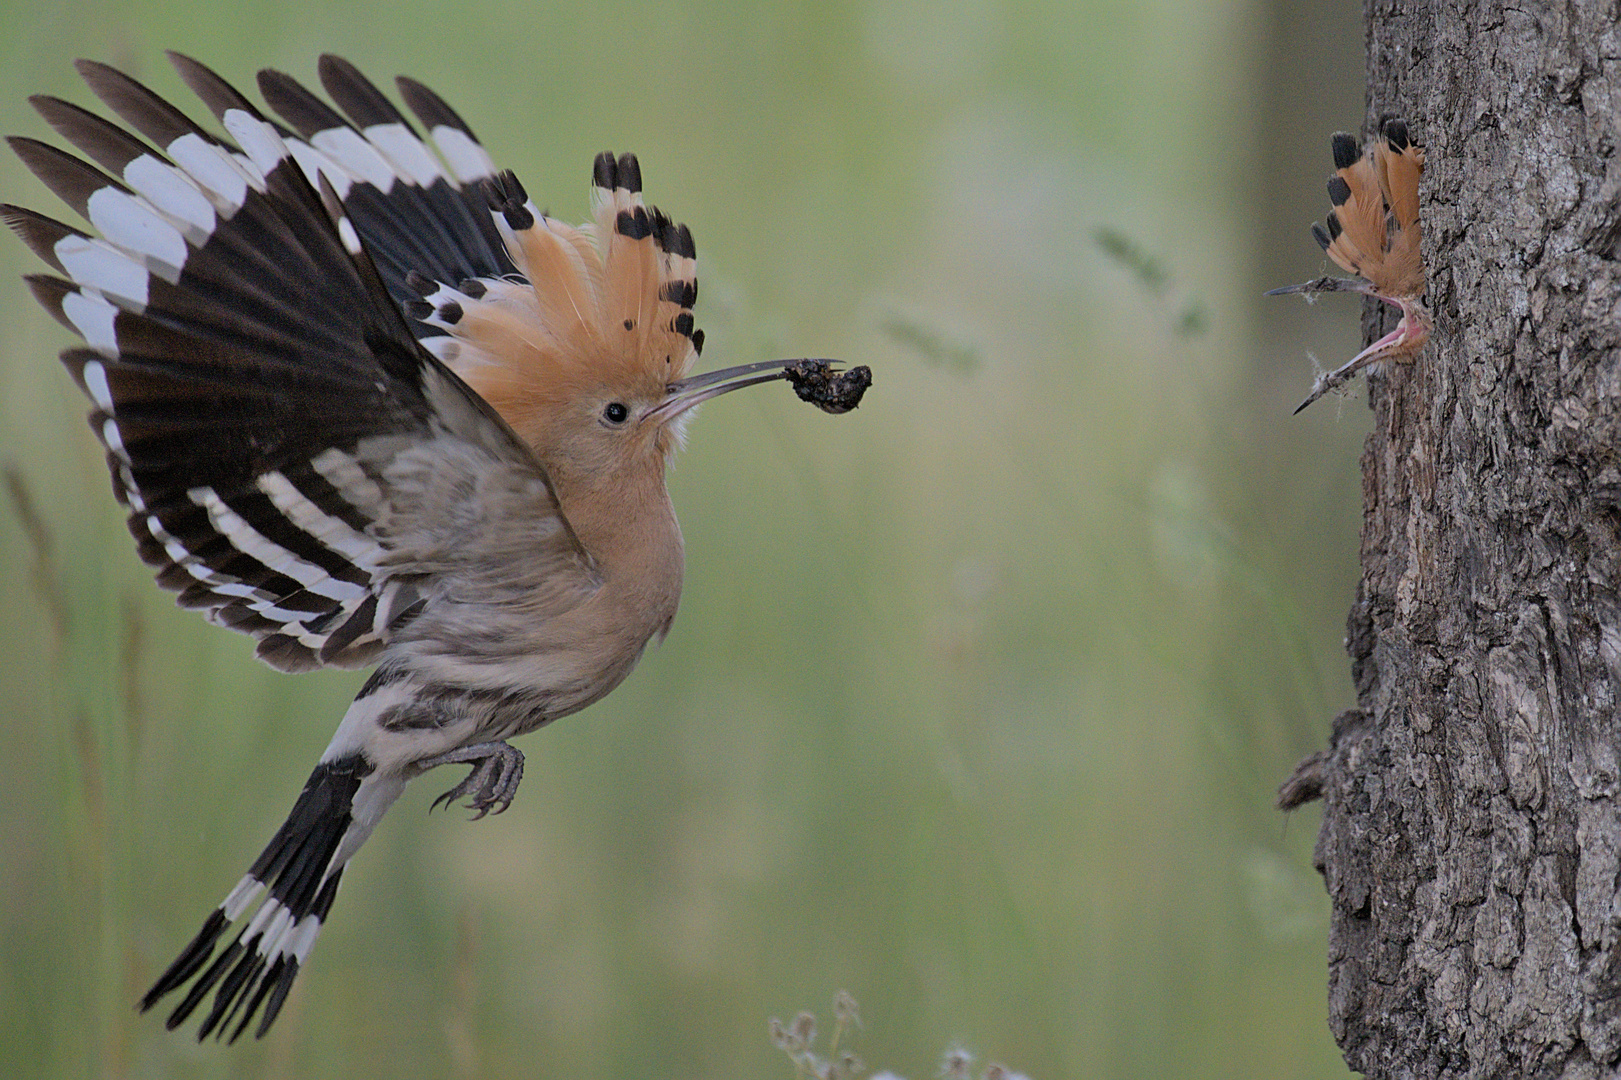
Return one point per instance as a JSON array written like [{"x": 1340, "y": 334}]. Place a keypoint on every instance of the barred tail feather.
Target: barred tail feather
[{"x": 279, "y": 906}]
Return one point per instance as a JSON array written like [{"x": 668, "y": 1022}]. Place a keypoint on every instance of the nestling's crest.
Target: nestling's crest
[{"x": 1374, "y": 232}]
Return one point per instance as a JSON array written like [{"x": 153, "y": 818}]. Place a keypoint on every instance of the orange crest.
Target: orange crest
[{"x": 608, "y": 303}]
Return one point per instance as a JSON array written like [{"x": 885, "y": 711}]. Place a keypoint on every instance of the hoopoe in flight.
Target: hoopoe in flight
[
  {"x": 366, "y": 403},
  {"x": 1373, "y": 231}
]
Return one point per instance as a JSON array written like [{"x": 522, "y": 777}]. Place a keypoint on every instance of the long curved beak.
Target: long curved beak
[{"x": 687, "y": 393}]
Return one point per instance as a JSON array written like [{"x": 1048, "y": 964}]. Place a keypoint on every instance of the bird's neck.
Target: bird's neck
[{"x": 627, "y": 525}]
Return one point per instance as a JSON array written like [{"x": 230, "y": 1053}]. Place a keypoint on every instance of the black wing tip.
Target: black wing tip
[
  {"x": 429, "y": 107},
  {"x": 142, "y": 109},
  {"x": 51, "y": 291},
  {"x": 110, "y": 145},
  {"x": 294, "y": 103},
  {"x": 70, "y": 178},
  {"x": 333, "y": 66},
  {"x": 39, "y": 232},
  {"x": 220, "y": 96},
  {"x": 1339, "y": 192},
  {"x": 50, "y": 106},
  {"x": 355, "y": 94},
  {"x": 92, "y": 71}
]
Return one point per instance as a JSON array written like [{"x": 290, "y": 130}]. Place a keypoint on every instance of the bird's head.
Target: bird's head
[
  {"x": 614, "y": 417},
  {"x": 585, "y": 351}
]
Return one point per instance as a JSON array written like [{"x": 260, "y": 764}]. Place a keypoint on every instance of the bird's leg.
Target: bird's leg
[{"x": 497, "y": 771}]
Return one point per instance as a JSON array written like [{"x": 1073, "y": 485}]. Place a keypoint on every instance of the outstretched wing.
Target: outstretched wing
[
  {"x": 421, "y": 220},
  {"x": 269, "y": 417},
  {"x": 517, "y": 303}
]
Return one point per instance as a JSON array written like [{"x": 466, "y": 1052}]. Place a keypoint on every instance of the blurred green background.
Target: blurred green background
[{"x": 978, "y": 696}]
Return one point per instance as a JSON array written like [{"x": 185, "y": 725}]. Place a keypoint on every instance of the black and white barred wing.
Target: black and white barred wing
[
  {"x": 424, "y": 218},
  {"x": 255, "y": 385}
]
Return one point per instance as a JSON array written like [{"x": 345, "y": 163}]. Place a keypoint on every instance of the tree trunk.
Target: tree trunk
[{"x": 1471, "y": 839}]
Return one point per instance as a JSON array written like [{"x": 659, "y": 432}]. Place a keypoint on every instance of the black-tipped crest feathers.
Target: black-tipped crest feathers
[{"x": 1373, "y": 231}]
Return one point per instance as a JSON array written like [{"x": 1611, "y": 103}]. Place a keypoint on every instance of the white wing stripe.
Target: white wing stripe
[
  {"x": 213, "y": 168},
  {"x": 467, "y": 159},
  {"x": 405, "y": 152},
  {"x": 95, "y": 381},
  {"x": 248, "y": 540},
  {"x": 129, "y": 223},
  {"x": 132, "y": 493},
  {"x": 358, "y": 548},
  {"x": 257, "y": 139},
  {"x": 350, "y": 238},
  {"x": 183, "y": 558},
  {"x": 346, "y": 147},
  {"x": 172, "y": 194},
  {"x": 92, "y": 316},
  {"x": 114, "y": 439},
  {"x": 316, "y": 164},
  {"x": 344, "y": 473},
  {"x": 101, "y": 266}
]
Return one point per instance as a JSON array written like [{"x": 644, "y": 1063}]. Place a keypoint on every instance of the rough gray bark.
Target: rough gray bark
[{"x": 1471, "y": 840}]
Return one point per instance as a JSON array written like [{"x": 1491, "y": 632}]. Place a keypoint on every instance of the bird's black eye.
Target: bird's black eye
[{"x": 615, "y": 412}]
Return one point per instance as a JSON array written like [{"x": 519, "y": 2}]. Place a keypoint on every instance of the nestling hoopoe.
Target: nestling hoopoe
[
  {"x": 1373, "y": 231},
  {"x": 366, "y": 403}
]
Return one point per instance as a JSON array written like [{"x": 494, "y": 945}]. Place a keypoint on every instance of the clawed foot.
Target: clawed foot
[{"x": 497, "y": 771}]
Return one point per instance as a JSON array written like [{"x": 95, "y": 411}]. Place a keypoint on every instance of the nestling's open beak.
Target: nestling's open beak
[{"x": 1408, "y": 337}]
